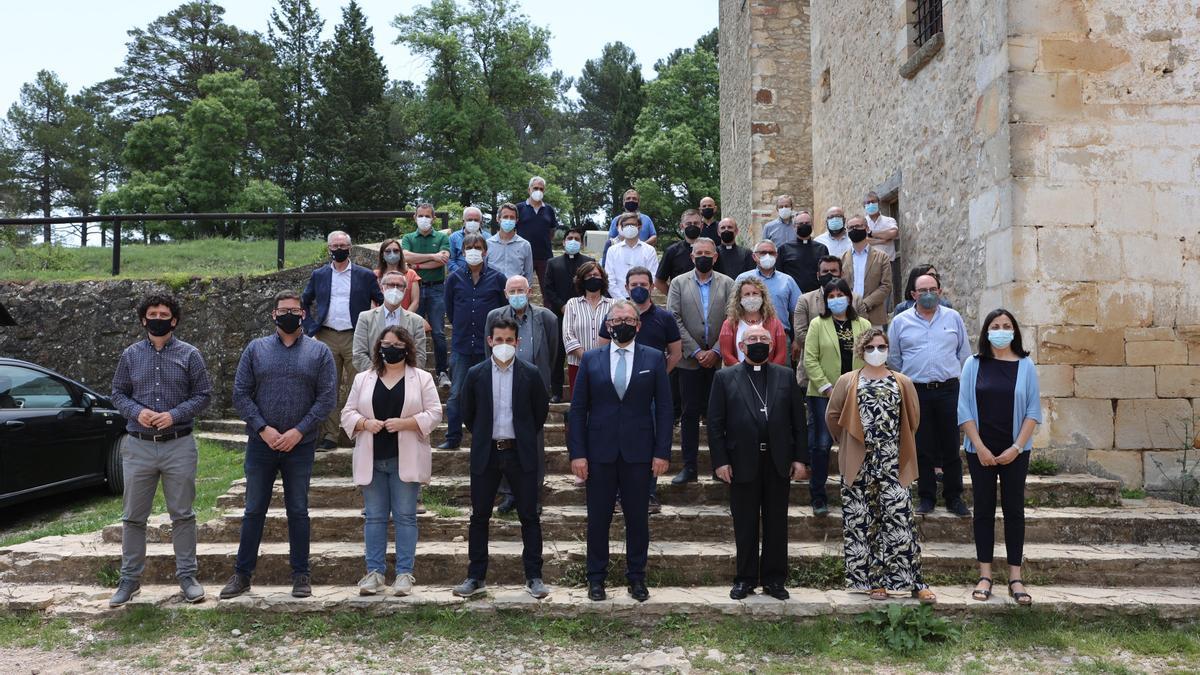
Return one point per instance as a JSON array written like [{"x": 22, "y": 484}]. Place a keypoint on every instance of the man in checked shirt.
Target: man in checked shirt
[{"x": 160, "y": 386}]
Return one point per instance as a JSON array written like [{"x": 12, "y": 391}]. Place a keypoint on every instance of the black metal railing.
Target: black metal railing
[
  {"x": 927, "y": 20},
  {"x": 281, "y": 221}
]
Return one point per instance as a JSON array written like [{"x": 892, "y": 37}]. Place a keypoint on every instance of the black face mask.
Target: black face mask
[
  {"x": 824, "y": 279},
  {"x": 691, "y": 231},
  {"x": 757, "y": 352},
  {"x": 804, "y": 230},
  {"x": 159, "y": 327},
  {"x": 631, "y": 206},
  {"x": 708, "y": 213},
  {"x": 623, "y": 332},
  {"x": 857, "y": 235},
  {"x": 727, "y": 236},
  {"x": 393, "y": 354},
  {"x": 339, "y": 254},
  {"x": 288, "y": 323},
  {"x": 593, "y": 284},
  {"x": 704, "y": 263},
  {"x": 639, "y": 294}
]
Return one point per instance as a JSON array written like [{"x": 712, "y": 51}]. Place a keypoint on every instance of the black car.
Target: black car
[{"x": 55, "y": 434}]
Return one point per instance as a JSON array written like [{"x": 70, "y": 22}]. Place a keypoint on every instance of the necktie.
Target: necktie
[{"x": 622, "y": 379}]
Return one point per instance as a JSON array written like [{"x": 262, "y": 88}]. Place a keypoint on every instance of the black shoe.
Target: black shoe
[
  {"x": 776, "y": 591},
  {"x": 638, "y": 591},
  {"x": 687, "y": 475},
  {"x": 327, "y": 445},
  {"x": 820, "y": 510},
  {"x": 508, "y": 504},
  {"x": 556, "y": 399},
  {"x": 654, "y": 507},
  {"x": 449, "y": 445},
  {"x": 740, "y": 590},
  {"x": 301, "y": 586},
  {"x": 925, "y": 507},
  {"x": 958, "y": 508},
  {"x": 125, "y": 592},
  {"x": 596, "y": 591},
  {"x": 237, "y": 585}
]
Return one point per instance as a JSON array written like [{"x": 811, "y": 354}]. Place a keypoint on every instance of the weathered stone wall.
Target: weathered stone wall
[
  {"x": 1105, "y": 128},
  {"x": 766, "y": 133}
]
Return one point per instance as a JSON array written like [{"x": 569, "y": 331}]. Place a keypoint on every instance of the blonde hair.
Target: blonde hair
[
  {"x": 735, "y": 312},
  {"x": 865, "y": 339}
]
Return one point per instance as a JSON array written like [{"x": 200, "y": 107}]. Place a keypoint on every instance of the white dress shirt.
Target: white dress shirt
[
  {"x": 859, "y": 258},
  {"x": 837, "y": 247},
  {"x": 338, "y": 316},
  {"x": 621, "y": 258},
  {"x": 502, "y": 402},
  {"x": 613, "y": 359},
  {"x": 884, "y": 224}
]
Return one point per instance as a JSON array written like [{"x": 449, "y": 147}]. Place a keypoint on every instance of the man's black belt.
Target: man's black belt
[
  {"x": 762, "y": 447},
  {"x": 504, "y": 444},
  {"x": 162, "y": 438},
  {"x": 936, "y": 385}
]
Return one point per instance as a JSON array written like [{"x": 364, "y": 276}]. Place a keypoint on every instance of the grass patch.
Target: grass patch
[
  {"x": 825, "y": 572},
  {"x": 1133, "y": 493},
  {"x": 1041, "y": 466},
  {"x": 90, "y": 510},
  {"x": 174, "y": 262}
]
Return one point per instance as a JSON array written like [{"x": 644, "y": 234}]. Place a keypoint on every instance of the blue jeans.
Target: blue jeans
[
  {"x": 388, "y": 494},
  {"x": 262, "y": 465},
  {"x": 459, "y": 365},
  {"x": 432, "y": 308},
  {"x": 818, "y": 450}
]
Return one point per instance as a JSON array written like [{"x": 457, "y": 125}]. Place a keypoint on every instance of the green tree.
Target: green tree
[
  {"x": 165, "y": 61},
  {"x": 610, "y": 100},
  {"x": 94, "y": 158},
  {"x": 37, "y": 137},
  {"x": 294, "y": 34}
]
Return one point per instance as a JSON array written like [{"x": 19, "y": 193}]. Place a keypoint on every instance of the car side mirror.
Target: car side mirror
[{"x": 89, "y": 402}]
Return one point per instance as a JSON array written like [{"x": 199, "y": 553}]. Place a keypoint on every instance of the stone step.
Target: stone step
[
  {"x": 1160, "y": 524},
  {"x": 88, "y": 601},
  {"x": 85, "y": 558},
  {"x": 334, "y": 491}
]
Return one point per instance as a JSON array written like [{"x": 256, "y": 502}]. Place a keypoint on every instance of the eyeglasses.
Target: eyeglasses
[
  {"x": 874, "y": 348},
  {"x": 293, "y": 312},
  {"x": 757, "y": 340},
  {"x": 399, "y": 286},
  {"x": 392, "y": 250},
  {"x": 622, "y": 322},
  {"x": 391, "y": 344},
  {"x": 339, "y": 247}
]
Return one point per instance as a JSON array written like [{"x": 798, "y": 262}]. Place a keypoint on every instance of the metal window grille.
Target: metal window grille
[{"x": 927, "y": 20}]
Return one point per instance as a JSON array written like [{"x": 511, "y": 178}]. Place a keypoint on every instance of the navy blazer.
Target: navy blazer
[
  {"x": 364, "y": 288},
  {"x": 603, "y": 426},
  {"x": 531, "y": 405}
]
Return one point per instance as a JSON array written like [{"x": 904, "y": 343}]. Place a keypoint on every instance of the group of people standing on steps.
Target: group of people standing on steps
[{"x": 780, "y": 348}]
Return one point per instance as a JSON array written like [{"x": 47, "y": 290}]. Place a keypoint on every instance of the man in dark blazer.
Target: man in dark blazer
[
  {"x": 758, "y": 439},
  {"x": 619, "y": 436},
  {"x": 558, "y": 289},
  {"x": 340, "y": 291},
  {"x": 505, "y": 405}
]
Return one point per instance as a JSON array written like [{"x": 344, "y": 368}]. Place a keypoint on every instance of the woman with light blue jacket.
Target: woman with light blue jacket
[{"x": 999, "y": 407}]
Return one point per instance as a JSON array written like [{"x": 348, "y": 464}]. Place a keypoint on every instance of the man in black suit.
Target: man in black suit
[
  {"x": 559, "y": 288},
  {"x": 619, "y": 436},
  {"x": 505, "y": 405},
  {"x": 758, "y": 439}
]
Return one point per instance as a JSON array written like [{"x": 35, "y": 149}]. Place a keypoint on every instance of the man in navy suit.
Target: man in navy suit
[
  {"x": 341, "y": 291},
  {"x": 505, "y": 405},
  {"x": 620, "y": 429}
]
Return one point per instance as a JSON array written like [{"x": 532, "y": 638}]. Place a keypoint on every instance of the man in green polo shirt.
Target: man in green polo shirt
[{"x": 427, "y": 251}]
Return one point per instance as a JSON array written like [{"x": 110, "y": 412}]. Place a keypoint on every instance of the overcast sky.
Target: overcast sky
[{"x": 84, "y": 40}]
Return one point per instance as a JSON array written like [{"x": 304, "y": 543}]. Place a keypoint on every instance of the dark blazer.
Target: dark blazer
[
  {"x": 364, "y": 288},
  {"x": 603, "y": 426},
  {"x": 731, "y": 413},
  {"x": 531, "y": 404},
  {"x": 560, "y": 281}
]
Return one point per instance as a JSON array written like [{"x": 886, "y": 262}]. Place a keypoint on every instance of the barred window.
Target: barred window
[{"x": 926, "y": 20}]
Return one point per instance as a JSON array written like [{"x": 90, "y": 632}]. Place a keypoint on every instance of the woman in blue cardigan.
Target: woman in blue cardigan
[{"x": 998, "y": 409}]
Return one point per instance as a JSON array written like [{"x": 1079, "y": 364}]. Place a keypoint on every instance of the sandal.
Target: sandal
[
  {"x": 925, "y": 595},
  {"x": 879, "y": 594},
  {"x": 982, "y": 595},
  {"x": 1023, "y": 599}
]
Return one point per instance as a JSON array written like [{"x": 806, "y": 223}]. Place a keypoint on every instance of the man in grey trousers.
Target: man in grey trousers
[{"x": 160, "y": 386}]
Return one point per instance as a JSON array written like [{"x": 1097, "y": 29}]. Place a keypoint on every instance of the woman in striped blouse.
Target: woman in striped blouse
[{"x": 584, "y": 315}]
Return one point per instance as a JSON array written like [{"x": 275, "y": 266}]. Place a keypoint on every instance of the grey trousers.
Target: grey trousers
[{"x": 144, "y": 462}]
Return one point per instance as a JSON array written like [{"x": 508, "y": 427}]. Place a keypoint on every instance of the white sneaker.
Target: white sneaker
[
  {"x": 372, "y": 584},
  {"x": 404, "y": 584},
  {"x": 443, "y": 381}
]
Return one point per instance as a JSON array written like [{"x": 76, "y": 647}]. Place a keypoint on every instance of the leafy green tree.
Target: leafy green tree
[
  {"x": 610, "y": 100},
  {"x": 294, "y": 34},
  {"x": 94, "y": 157},
  {"x": 37, "y": 136}
]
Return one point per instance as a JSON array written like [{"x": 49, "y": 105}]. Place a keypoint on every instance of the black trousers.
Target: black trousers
[
  {"x": 695, "y": 385},
  {"x": 1012, "y": 502},
  {"x": 676, "y": 401},
  {"x": 938, "y": 443},
  {"x": 557, "y": 376},
  {"x": 762, "y": 501},
  {"x": 506, "y": 489},
  {"x": 504, "y": 464},
  {"x": 602, "y": 484}
]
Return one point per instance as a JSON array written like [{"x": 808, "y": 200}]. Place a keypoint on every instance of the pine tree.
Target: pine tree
[
  {"x": 37, "y": 135},
  {"x": 294, "y": 34}
]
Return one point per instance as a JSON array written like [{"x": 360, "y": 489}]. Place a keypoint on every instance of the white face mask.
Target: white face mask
[
  {"x": 393, "y": 296},
  {"x": 752, "y": 303},
  {"x": 471, "y": 227},
  {"x": 537, "y": 195},
  {"x": 877, "y": 357},
  {"x": 504, "y": 352},
  {"x": 473, "y": 256},
  {"x": 629, "y": 232},
  {"x": 767, "y": 261},
  {"x": 424, "y": 223},
  {"x": 785, "y": 212}
]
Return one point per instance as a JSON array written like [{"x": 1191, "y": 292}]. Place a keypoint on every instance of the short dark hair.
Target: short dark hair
[
  {"x": 985, "y": 345},
  {"x": 508, "y": 206},
  {"x": 575, "y": 229},
  {"x": 830, "y": 259},
  {"x": 586, "y": 269},
  {"x": 838, "y": 285},
  {"x": 918, "y": 271},
  {"x": 635, "y": 271},
  {"x": 505, "y": 323},
  {"x": 472, "y": 239},
  {"x": 156, "y": 299},
  {"x": 285, "y": 295},
  {"x": 401, "y": 334}
]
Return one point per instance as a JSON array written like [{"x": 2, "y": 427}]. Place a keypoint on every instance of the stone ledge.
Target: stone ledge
[{"x": 923, "y": 55}]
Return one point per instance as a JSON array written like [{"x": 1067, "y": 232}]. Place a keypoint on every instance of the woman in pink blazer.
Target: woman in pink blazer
[{"x": 390, "y": 412}]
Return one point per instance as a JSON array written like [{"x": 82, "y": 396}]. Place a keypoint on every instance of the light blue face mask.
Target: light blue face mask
[
  {"x": 508, "y": 225},
  {"x": 1000, "y": 338},
  {"x": 839, "y": 304},
  {"x": 871, "y": 208},
  {"x": 518, "y": 301},
  {"x": 572, "y": 246},
  {"x": 836, "y": 224}
]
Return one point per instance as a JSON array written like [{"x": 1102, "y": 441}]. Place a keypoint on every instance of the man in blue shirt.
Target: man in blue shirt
[
  {"x": 631, "y": 201},
  {"x": 472, "y": 224},
  {"x": 784, "y": 290},
  {"x": 536, "y": 223},
  {"x": 471, "y": 293},
  {"x": 929, "y": 344}
]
